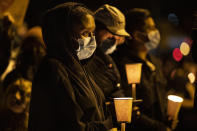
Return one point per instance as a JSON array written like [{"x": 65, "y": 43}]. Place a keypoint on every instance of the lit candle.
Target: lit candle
[
  {"x": 174, "y": 104},
  {"x": 123, "y": 107}
]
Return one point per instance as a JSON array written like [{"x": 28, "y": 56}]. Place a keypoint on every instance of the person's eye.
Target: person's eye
[
  {"x": 88, "y": 34},
  {"x": 85, "y": 34},
  {"x": 92, "y": 33}
]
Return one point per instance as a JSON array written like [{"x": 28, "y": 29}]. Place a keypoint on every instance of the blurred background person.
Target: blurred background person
[
  {"x": 31, "y": 53},
  {"x": 182, "y": 83},
  {"x": 11, "y": 39},
  {"x": 64, "y": 96},
  {"x": 14, "y": 105},
  {"x": 152, "y": 89},
  {"x": 6, "y": 37}
]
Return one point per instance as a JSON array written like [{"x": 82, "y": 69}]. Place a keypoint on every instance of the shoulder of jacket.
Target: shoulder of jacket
[
  {"x": 52, "y": 62},
  {"x": 53, "y": 65}
]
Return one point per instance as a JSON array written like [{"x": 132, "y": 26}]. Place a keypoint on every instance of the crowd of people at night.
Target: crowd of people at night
[{"x": 64, "y": 74}]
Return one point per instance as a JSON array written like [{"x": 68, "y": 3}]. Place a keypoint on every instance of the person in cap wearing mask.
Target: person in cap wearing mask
[
  {"x": 152, "y": 89},
  {"x": 64, "y": 97},
  {"x": 110, "y": 31}
]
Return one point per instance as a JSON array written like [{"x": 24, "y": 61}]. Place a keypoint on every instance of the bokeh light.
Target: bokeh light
[
  {"x": 191, "y": 77},
  {"x": 185, "y": 48},
  {"x": 177, "y": 55}
]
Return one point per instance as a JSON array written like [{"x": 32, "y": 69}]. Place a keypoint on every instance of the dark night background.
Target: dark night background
[
  {"x": 159, "y": 8},
  {"x": 173, "y": 29}
]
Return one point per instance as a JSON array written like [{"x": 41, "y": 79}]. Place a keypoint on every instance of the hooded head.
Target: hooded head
[{"x": 63, "y": 25}]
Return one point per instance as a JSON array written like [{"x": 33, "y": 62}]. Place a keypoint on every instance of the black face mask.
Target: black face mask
[{"x": 108, "y": 46}]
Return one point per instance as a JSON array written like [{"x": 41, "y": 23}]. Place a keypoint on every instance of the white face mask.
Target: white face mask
[
  {"x": 87, "y": 46},
  {"x": 154, "y": 39},
  {"x": 108, "y": 46}
]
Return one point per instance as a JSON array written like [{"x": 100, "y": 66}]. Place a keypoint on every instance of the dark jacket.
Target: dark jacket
[
  {"x": 151, "y": 90},
  {"x": 64, "y": 100},
  {"x": 105, "y": 73},
  {"x": 64, "y": 97}
]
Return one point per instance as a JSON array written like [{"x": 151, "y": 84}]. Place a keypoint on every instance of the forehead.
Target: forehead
[
  {"x": 149, "y": 22},
  {"x": 86, "y": 23}
]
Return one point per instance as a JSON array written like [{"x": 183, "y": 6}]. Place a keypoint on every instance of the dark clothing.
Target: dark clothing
[
  {"x": 105, "y": 73},
  {"x": 61, "y": 100},
  {"x": 177, "y": 85},
  {"x": 10, "y": 121},
  {"x": 151, "y": 90}
]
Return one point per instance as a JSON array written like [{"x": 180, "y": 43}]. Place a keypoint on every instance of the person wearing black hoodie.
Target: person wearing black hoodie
[{"x": 64, "y": 96}]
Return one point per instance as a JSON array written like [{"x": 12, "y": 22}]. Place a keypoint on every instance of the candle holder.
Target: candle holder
[
  {"x": 174, "y": 105},
  {"x": 123, "y": 108},
  {"x": 133, "y": 72}
]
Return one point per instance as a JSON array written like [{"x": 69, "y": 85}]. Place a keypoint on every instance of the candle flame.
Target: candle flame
[{"x": 175, "y": 98}]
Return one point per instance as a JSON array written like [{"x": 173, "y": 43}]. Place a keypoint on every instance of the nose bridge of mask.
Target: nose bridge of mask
[{"x": 84, "y": 41}]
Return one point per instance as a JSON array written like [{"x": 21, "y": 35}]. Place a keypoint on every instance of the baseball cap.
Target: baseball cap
[{"x": 112, "y": 18}]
